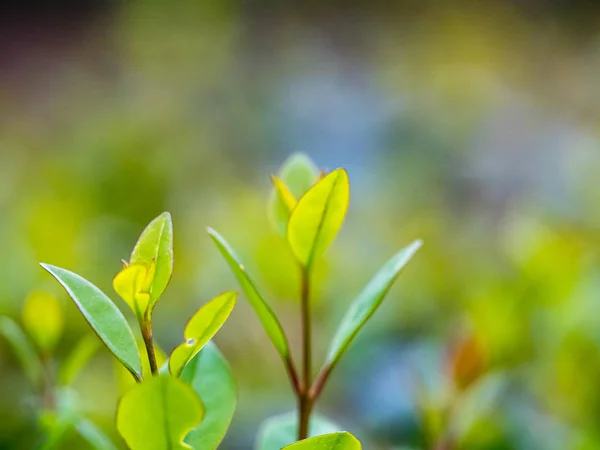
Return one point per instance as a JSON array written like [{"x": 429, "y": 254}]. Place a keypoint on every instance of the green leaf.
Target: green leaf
[
  {"x": 43, "y": 320},
  {"x": 265, "y": 313},
  {"x": 77, "y": 359},
  {"x": 23, "y": 349},
  {"x": 158, "y": 413},
  {"x": 333, "y": 441},
  {"x": 156, "y": 244},
  {"x": 210, "y": 376},
  {"x": 200, "y": 329},
  {"x": 94, "y": 436},
  {"x": 318, "y": 217},
  {"x": 367, "y": 302},
  {"x": 298, "y": 173},
  {"x": 103, "y": 316},
  {"x": 278, "y": 431}
]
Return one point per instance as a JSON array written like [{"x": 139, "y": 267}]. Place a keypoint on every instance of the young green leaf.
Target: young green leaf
[
  {"x": 297, "y": 174},
  {"x": 367, "y": 302},
  {"x": 318, "y": 217},
  {"x": 333, "y": 441},
  {"x": 284, "y": 195},
  {"x": 77, "y": 359},
  {"x": 43, "y": 320},
  {"x": 278, "y": 431},
  {"x": 210, "y": 376},
  {"x": 133, "y": 285},
  {"x": 200, "y": 329},
  {"x": 265, "y": 313},
  {"x": 158, "y": 413},
  {"x": 156, "y": 244},
  {"x": 103, "y": 316},
  {"x": 23, "y": 349}
]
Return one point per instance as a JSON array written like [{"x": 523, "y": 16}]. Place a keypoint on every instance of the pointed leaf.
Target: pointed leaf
[
  {"x": 334, "y": 441},
  {"x": 43, "y": 320},
  {"x": 367, "y": 302},
  {"x": 278, "y": 431},
  {"x": 210, "y": 376},
  {"x": 156, "y": 244},
  {"x": 132, "y": 285},
  {"x": 77, "y": 359},
  {"x": 318, "y": 217},
  {"x": 284, "y": 195},
  {"x": 298, "y": 173},
  {"x": 23, "y": 349},
  {"x": 265, "y": 313},
  {"x": 200, "y": 329},
  {"x": 103, "y": 316},
  {"x": 158, "y": 413}
]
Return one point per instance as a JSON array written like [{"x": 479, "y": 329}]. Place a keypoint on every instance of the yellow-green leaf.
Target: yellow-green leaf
[
  {"x": 158, "y": 414},
  {"x": 43, "y": 320},
  {"x": 318, "y": 217},
  {"x": 298, "y": 174},
  {"x": 281, "y": 430},
  {"x": 264, "y": 312},
  {"x": 132, "y": 284},
  {"x": 200, "y": 329},
  {"x": 156, "y": 244},
  {"x": 284, "y": 195},
  {"x": 103, "y": 316},
  {"x": 334, "y": 441}
]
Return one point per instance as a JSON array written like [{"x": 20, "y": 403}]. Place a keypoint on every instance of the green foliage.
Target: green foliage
[
  {"x": 318, "y": 216},
  {"x": 23, "y": 349},
  {"x": 210, "y": 376},
  {"x": 200, "y": 329},
  {"x": 265, "y": 313},
  {"x": 103, "y": 316},
  {"x": 334, "y": 441},
  {"x": 43, "y": 320},
  {"x": 282, "y": 430},
  {"x": 367, "y": 302},
  {"x": 158, "y": 413},
  {"x": 77, "y": 359}
]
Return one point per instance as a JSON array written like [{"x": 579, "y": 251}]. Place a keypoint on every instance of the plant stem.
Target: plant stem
[
  {"x": 149, "y": 343},
  {"x": 305, "y": 402}
]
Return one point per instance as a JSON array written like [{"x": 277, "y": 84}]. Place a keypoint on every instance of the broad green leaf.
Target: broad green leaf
[
  {"x": 200, "y": 329},
  {"x": 367, "y": 302},
  {"x": 43, "y": 320},
  {"x": 77, "y": 359},
  {"x": 318, "y": 217},
  {"x": 158, "y": 413},
  {"x": 94, "y": 436},
  {"x": 297, "y": 174},
  {"x": 103, "y": 316},
  {"x": 278, "y": 431},
  {"x": 133, "y": 285},
  {"x": 210, "y": 376},
  {"x": 333, "y": 441},
  {"x": 265, "y": 313},
  {"x": 156, "y": 244},
  {"x": 23, "y": 349}
]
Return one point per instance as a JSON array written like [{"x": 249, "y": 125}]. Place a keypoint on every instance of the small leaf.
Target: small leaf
[
  {"x": 210, "y": 376},
  {"x": 94, "y": 436},
  {"x": 43, "y": 320},
  {"x": 77, "y": 359},
  {"x": 284, "y": 195},
  {"x": 367, "y": 302},
  {"x": 23, "y": 349},
  {"x": 333, "y": 441},
  {"x": 278, "y": 431},
  {"x": 298, "y": 173},
  {"x": 156, "y": 244},
  {"x": 318, "y": 217},
  {"x": 200, "y": 329},
  {"x": 158, "y": 413},
  {"x": 103, "y": 316},
  {"x": 265, "y": 313},
  {"x": 132, "y": 284}
]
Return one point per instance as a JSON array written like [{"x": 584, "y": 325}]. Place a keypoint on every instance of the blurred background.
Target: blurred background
[{"x": 470, "y": 124}]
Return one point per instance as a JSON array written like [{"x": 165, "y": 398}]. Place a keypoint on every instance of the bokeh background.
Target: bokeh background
[{"x": 470, "y": 124}]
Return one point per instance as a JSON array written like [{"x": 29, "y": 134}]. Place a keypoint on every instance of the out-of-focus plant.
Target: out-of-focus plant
[
  {"x": 308, "y": 207},
  {"x": 56, "y": 404},
  {"x": 189, "y": 401}
]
